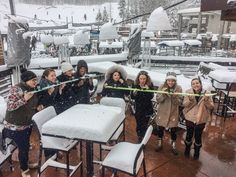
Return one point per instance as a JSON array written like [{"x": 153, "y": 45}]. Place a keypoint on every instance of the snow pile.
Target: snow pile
[
  {"x": 27, "y": 34},
  {"x": 199, "y": 37},
  {"x": 174, "y": 43},
  {"x": 3, "y": 107},
  {"x": 233, "y": 38},
  {"x": 81, "y": 38},
  {"x": 61, "y": 40},
  {"x": 108, "y": 32},
  {"x": 95, "y": 122},
  {"x": 46, "y": 39},
  {"x": 158, "y": 20},
  {"x": 111, "y": 45},
  {"x": 214, "y": 38},
  {"x": 14, "y": 19},
  {"x": 193, "y": 42},
  {"x": 223, "y": 76},
  {"x": 148, "y": 34}
]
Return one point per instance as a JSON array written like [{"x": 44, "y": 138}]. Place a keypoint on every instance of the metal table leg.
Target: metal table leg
[{"x": 89, "y": 158}]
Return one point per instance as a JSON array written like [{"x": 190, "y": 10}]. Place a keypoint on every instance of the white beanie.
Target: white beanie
[
  {"x": 66, "y": 67},
  {"x": 171, "y": 75}
]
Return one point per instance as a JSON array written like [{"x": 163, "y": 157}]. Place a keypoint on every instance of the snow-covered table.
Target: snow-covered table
[{"x": 91, "y": 123}]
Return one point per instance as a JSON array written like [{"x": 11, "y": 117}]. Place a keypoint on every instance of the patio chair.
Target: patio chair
[
  {"x": 127, "y": 157},
  {"x": 54, "y": 143},
  {"x": 116, "y": 102}
]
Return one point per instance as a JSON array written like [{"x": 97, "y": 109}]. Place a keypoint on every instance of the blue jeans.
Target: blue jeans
[{"x": 22, "y": 140}]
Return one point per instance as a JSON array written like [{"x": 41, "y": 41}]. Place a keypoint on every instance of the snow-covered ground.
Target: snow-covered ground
[{"x": 52, "y": 13}]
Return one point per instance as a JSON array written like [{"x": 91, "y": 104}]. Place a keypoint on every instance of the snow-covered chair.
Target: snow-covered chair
[
  {"x": 54, "y": 143},
  {"x": 116, "y": 102},
  {"x": 127, "y": 157},
  {"x": 6, "y": 154}
]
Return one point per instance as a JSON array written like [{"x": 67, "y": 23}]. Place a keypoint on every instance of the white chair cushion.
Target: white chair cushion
[
  {"x": 57, "y": 143},
  {"x": 117, "y": 102},
  {"x": 122, "y": 157}
]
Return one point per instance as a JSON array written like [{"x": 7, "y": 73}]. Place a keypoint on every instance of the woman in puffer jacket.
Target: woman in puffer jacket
[
  {"x": 115, "y": 77},
  {"x": 196, "y": 111}
]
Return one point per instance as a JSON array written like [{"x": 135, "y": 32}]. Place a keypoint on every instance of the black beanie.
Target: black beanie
[{"x": 27, "y": 75}]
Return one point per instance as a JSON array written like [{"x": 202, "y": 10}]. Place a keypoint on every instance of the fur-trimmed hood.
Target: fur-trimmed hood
[{"x": 116, "y": 68}]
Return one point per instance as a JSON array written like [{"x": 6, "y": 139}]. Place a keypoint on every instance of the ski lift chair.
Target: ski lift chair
[
  {"x": 54, "y": 143},
  {"x": 127, "y": 157},
  {"x": 116, "y": 102}
]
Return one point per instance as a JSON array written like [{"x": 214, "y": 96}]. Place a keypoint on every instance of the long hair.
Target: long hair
[
  {"x": 148, "y": 81},
  {"x": 47, "y": 72}
]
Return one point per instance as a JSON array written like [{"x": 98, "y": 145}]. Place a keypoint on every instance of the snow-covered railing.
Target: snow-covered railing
[{"x": 174, "y": 43}]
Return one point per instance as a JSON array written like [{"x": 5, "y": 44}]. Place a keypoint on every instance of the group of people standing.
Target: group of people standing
[
  {"x": 196, "y": 106},
  {"x": 22, "y": 103}
]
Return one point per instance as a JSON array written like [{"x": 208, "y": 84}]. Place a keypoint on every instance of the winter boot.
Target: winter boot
[
  {"x": 25, "y": 173},
  {"x": 197, "y": 148},
  {"x": 187, "y": 148},
  {"x": 159, "y": 145},
  {"x": 173, "y": 148}
]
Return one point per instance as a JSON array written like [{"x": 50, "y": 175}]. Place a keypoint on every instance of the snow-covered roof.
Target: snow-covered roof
[
  {"x": 193, "y": 42},
  {"x": 53, "y": 62},
  {"x": 189, "y": 11},
  {"x": 111, "y": 45},
  {"x": 174, "y": 43},
  {"x": 223, "y": 76},
  {"x": 158, "y": 21},
  {"x": 108, "y": 32}
]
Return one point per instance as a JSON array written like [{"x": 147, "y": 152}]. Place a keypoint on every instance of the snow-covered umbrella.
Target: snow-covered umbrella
[
  {"x": 108, "y": 32},
  {"x": 158, "y": 21},
  {"x": 81, "y": 38},
  {"x": 46, "y": 39}
]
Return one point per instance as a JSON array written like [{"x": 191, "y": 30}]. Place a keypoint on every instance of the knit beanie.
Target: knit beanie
[
  {"x": 65, "y": 66},
  {"x": 27, "y": 75},
  {"x": 171, "y": 75}
]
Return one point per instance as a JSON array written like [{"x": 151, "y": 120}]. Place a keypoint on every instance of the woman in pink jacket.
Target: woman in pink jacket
[{"x": 196, "y": 111}]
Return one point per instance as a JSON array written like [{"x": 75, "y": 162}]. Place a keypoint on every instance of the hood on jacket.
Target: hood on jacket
[
  {"x": 82, "y": 63},
  {"x": 116, "y": 68}
]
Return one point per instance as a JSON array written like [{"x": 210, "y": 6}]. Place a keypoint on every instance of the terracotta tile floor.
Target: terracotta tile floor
[{"x": 217, "y": 157}]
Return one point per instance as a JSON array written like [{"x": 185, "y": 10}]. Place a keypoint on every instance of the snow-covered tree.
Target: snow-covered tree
[
  {"x": 99, "y": 16},
  {"x": 122, "y": 8},
  {"x": 105, "y": 15}
]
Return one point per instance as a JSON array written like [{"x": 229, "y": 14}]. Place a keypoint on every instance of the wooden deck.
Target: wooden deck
[{"x": 217, "y": 157}]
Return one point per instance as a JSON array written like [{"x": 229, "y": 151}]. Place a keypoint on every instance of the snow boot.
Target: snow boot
[
  {"x": 197, "y": 148},
  {"x": 187, "y": 148},
  {"x": 159, "y": 145},
  {"x": 173, "y": 148}
]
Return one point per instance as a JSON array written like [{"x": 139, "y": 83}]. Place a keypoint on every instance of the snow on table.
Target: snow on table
[
  {"x": 53, "y": 62},
  {"x": 112, "y": 45},
  {"x": 192, "y": 42},
  {"x": 223, "y": 76},
  {"x": 174, "y": 43},
  {"x": 88, "y": 122}
]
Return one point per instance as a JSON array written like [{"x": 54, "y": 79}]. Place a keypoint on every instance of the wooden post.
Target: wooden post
[
  {"x": 1, "y": 51},
  {"x": 221, "y": 32},
  {"x": 180, "y": 19},
  {"x": 199, "y": 24}
]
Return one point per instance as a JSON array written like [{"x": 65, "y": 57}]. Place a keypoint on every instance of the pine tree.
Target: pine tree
[
  {"x": 99, "y": 16},
  {"x": 105, "y": 15},
  {"x": 122, "y": 8}
]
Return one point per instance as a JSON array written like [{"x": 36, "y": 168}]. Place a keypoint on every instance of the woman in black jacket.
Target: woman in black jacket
[
  {"x": 115, "y": 77},
  {"x": 143, "y": 103},
  {"x": 84, "y": 85}
]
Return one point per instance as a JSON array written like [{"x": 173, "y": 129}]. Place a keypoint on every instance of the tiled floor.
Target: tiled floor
[{"x": 217, "y": 157}]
